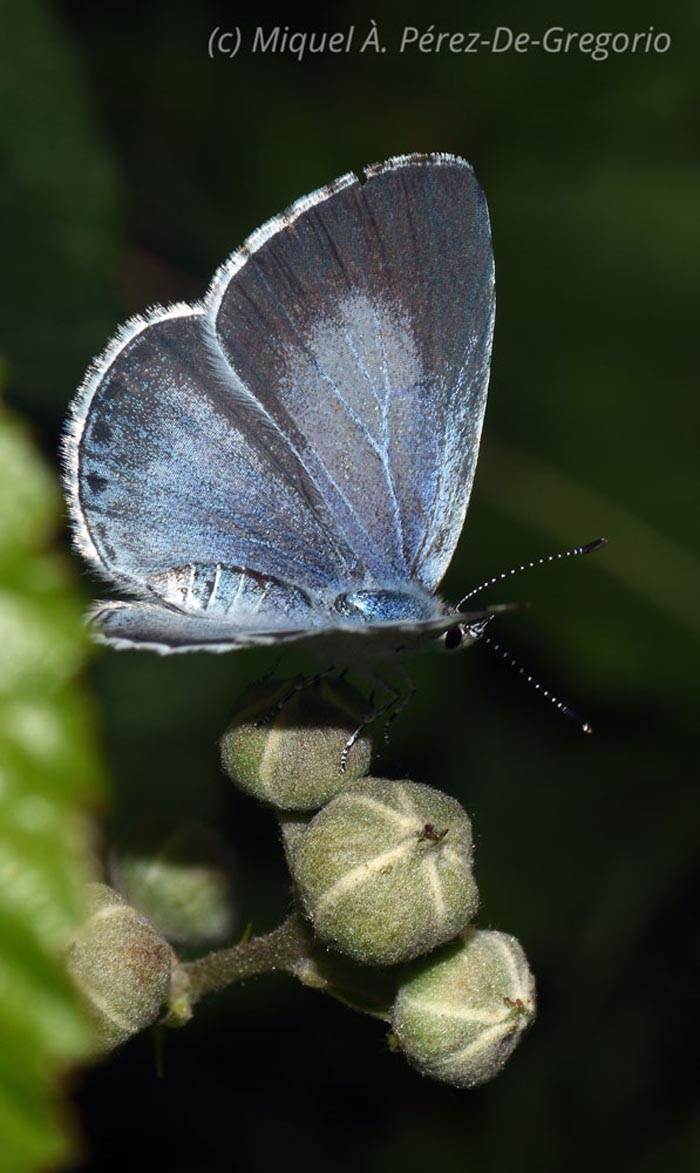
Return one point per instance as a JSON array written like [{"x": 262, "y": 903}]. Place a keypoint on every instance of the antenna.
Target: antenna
[
  {"x": 565, "y": 710},
  {"x": 574, "y": 552}
]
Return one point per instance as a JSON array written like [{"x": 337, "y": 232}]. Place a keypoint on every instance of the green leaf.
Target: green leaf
[{"x": 48, "y": 772}]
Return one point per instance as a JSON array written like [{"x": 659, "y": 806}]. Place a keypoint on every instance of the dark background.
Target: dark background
[{"x": 135, "y": 164}]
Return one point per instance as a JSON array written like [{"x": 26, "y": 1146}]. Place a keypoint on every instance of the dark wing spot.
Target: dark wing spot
[
  {"x": 101, "y": 433},
  {"x": 96, "y": 484}
]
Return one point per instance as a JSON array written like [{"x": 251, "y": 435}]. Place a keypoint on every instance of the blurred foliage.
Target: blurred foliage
[
  {"x": 136, "y": 164},
  {"x": 48, "y": 773}
]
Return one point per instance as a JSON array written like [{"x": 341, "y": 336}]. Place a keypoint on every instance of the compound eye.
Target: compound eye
[{"x": 453, "y": 638}]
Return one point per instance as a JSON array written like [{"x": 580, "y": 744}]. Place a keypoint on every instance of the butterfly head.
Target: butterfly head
[{"x": 464, "y": 635}]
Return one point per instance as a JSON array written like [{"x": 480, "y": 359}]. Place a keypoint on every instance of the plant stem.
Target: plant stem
[
  {"x": 287, "y": 949},
  {"x": 291, "y": 948}
]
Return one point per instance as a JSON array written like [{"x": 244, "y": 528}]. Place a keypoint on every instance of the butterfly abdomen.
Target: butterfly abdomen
[{"x": 221, "y": 590}]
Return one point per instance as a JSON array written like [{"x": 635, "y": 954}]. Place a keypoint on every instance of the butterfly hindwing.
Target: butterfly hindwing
[{"x": 175, "y": 466}]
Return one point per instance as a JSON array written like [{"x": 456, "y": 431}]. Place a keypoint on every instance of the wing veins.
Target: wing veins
[
  {"x": 430, "y": 521},
  {"x": 330, "y": 382},
  {"x": 380, "y": 338},
  {"x": 346, "y": 334},
  {"x": 377, "y": 449}
]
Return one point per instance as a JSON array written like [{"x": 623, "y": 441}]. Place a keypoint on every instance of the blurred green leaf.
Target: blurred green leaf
[{"x": 48, "y": 773}]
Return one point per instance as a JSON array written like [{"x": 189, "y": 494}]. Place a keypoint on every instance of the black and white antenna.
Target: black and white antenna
[
  {"x": 565, "y": 710},
  {"x": 574, "y": 552}
]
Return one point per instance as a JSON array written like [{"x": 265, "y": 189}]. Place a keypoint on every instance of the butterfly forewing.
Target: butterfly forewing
[{"x": 362, "y": 323}]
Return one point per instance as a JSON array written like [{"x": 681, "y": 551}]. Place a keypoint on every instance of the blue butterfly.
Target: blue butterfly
[{"x": 291, "y": 458}]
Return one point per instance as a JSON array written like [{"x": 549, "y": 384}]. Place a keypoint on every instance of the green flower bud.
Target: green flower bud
[
  {"x": 460, "y": 1013},
  {"x": 121, "y": 965},
  {"x": 285, "y": 746},
  {"x": 385, "y": 870},
  {"x": 178, "y": 875}
]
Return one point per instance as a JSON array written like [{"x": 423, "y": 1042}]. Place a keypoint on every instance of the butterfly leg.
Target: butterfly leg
[
  {"x": 371, "y": 717},
  {"x": 301, "y": 683},
  {"x": 401, "y": 703},
  {"x": 375, "y": 714}
]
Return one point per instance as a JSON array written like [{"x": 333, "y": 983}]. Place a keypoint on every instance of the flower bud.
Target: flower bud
[
  {"x": 385, "y": 870},
  {"x": 121, "y": 965},
  {"x": 285, "y": 747},
  {"x": 178, "y": 875},
  {"x": 460, "y": 1013}
]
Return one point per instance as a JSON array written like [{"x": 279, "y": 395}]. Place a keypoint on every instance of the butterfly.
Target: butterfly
[{"x": 291, "y": 458}]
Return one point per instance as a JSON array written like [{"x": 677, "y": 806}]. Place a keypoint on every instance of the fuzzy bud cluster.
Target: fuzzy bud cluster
[{"x": 383, "y": 872}]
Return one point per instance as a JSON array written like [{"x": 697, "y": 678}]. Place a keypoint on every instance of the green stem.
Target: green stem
[
  {"x": 287, "y": 949},
  {"x": 290, "y": 948}
]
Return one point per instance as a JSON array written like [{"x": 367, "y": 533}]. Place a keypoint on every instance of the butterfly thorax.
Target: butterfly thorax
[{"x": 387, "y": 605}]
